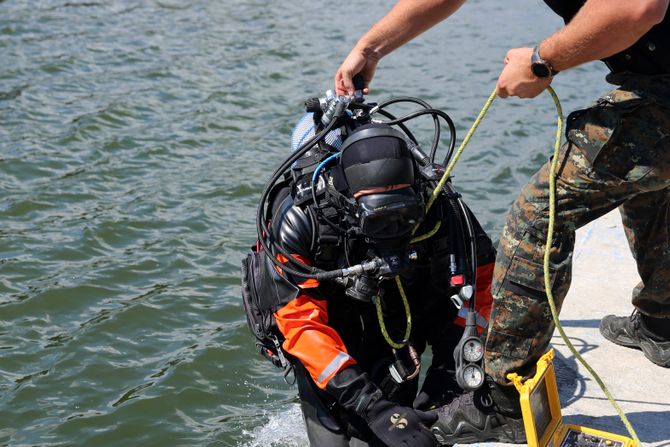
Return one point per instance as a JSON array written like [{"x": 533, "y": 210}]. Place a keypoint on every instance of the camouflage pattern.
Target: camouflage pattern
[{"x": 617, "y": 155}]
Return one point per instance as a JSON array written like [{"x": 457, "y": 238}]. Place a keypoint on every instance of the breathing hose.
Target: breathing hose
[{"x": 552, "y": 218}]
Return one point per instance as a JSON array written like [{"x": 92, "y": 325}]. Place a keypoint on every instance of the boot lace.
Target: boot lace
[{"x": 635, "y": 319}]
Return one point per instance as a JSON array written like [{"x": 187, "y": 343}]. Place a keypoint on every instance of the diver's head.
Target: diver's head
[{"x": 378, "y": 169}]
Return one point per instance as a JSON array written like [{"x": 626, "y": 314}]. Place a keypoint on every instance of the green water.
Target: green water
[{"x": 135, "y": 138}]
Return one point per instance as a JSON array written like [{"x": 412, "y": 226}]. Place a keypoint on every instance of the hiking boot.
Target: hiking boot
[
  {"x": 475, "y": 417},
  {"x": 632, "y": 332}
]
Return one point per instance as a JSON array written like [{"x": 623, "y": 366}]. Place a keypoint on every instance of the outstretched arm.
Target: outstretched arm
[
  {"x": 405, "y": 21},
  {"x": 600, "y": 29}
]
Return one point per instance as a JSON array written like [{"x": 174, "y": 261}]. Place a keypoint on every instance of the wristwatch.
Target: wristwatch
[{"x": 540, "y": 67}]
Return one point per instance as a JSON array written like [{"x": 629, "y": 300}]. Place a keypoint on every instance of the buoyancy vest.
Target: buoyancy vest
[{"x": 650, "y": 55}]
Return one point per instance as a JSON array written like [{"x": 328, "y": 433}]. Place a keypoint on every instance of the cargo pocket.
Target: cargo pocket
[
  {"x": 508, "y": 345},
  {"x": 519, "y": 315},
  {"x": 611, "y": 136},
  {"x": 526, "y": 278}
]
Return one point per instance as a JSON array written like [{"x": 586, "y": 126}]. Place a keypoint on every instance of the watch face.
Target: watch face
[{"x": 540, "y": 70}]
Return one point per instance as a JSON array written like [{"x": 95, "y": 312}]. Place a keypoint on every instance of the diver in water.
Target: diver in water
[{"x": 355, "y": 342}]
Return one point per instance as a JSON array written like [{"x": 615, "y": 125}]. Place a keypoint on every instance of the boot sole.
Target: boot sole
[
  {"x": 464, "y": 434},
  {"x": 656, "y": 352}
]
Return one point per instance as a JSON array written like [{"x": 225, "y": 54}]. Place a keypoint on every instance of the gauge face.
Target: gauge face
[
  {"x": 473, "y": 350},
  {"x": 473, "y": 376}
]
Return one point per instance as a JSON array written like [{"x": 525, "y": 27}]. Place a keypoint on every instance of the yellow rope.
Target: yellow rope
[
  {"x": 431, "y": 200},
  {"x": 547, "y": 251},
  {"x": 431, "y": 233},
  {"x": 457, "y": 155},
  {"x": 547, "y": 278}
]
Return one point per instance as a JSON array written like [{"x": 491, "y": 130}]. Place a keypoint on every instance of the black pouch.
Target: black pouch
[{"x": 264, "y": 291}]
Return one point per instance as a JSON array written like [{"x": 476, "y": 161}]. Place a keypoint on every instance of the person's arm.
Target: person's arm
[
  {"x": 304, "y": 324},
  {"x": 600, "y": 29},
  {"x": 405, "y": 21},
  {"x": 304, "y": 320}
]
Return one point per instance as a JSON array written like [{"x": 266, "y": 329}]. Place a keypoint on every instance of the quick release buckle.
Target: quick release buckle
[{"x": 464, "y": 294}]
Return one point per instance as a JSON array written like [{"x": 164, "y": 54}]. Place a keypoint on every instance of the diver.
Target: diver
[{"x": 358, "y": 204}]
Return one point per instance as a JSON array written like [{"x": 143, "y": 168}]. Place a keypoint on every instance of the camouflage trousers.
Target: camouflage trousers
[{"x": 617, "y": 155}]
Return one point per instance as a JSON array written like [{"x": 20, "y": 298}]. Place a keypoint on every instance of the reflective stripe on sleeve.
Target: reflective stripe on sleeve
[{"x": 340, "y": 359}]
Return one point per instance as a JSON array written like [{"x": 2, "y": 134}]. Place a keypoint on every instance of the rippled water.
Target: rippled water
[{"x": 135, "y": 138}]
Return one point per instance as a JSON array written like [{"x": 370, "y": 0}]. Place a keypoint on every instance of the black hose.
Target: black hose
[
  {"x": 404, "y": 128},
  {"x": 464, "y": 212},
  {"x": 441, "y": 114},
  {"x": 425, "y": 105}
]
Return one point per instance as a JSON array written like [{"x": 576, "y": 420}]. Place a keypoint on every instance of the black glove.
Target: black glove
[{"x": 399, "y": 426}]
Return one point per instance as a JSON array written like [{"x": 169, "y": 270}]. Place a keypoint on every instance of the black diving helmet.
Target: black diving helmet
[{"x": 378, "y": 169}]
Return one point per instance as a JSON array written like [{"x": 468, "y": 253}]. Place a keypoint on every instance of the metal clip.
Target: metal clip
[
  {"x": 280, "y": 352},
  {"x": 398, "y": 370},
  {"x": 395, "y": 374}
]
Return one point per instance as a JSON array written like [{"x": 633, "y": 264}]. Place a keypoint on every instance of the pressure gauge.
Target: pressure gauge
[
  {"x": 469, "y": 356},
  {"x": 473, "y": 376},
  {"x": 473, "y": 349}
]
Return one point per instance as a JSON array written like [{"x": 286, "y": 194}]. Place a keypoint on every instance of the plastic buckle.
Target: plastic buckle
[
  {"x": 365, "y": 400},
  {"x": 457, "y": 280},
  {"x": 458, "y": 302},
  {"x": 287, "y": 371},
  {"x": 280, "y": 352}
]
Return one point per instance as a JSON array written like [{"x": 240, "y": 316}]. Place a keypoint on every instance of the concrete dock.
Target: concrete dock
[{"x": 604, "y": 274}]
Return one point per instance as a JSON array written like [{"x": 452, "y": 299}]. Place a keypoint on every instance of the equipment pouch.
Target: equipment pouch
[
  {"x": 617, "y": 135},
  {"x": 263, "y": 292}
]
